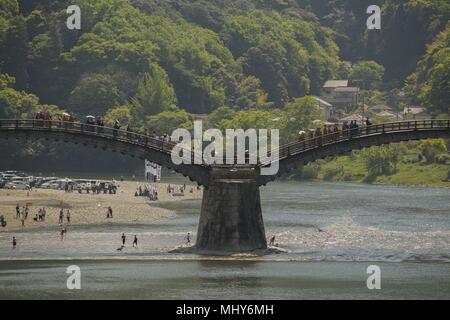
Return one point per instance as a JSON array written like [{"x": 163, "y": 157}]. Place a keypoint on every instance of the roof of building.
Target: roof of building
[
  {"x": 335, "y": 83},
  {"x": 323, "y": 102},
  {"x": 414, "y": 110},
  {"x": 381, "y": 107},
  {"x": 353, "y": 117},
  {"x": 347, "y": 89},
  {"x": 386, "y": 114}
]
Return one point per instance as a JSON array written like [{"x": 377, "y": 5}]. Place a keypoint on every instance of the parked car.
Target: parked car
[
  {"x": 20, "y": 185},
  {"x": 8, "y": 176},
  {"x": 105, "y": 187},
  {"x": 15, "y": 173},
  {"x": 47, "y": 185},
  {"x": 41, "y": 181},
  {"x": 55, "y": 185},
  {"x": 85, "y": 185}
]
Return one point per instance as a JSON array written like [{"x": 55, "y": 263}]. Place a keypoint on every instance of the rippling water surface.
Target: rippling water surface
[{"x": 331, "y": 232}]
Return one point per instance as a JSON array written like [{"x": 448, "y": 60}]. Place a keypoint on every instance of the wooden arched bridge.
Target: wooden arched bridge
[{"x": 231, "y": 218}]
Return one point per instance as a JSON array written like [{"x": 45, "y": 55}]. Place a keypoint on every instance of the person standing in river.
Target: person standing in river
[
  {"x": 188, "y": 238},
  {"x": 61, "y": 216},
  {"x": 272, "y": 241},
  {"x": 63, "y": 231}
]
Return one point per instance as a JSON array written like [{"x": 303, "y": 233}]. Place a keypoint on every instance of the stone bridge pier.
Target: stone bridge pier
[{"x": 231, "y": 218}]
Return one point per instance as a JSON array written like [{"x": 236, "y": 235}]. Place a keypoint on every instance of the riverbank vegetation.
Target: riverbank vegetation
[{"x": 408, "y": 163}]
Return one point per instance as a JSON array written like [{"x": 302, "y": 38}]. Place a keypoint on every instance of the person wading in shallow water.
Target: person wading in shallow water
[
  {"x": 272, "y": 241},
  {"x": 61, "y": 216},
  {"x": 63, "y": 232}
]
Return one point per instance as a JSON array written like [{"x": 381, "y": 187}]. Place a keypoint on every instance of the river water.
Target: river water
[{"x": 331, "y": 233}]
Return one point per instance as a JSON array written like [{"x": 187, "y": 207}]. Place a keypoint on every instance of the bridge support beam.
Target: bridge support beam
[{"x": 231, "y": 219}]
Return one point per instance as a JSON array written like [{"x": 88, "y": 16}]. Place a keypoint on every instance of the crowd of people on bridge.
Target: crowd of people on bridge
[
  {"x": 317, "y": 136},
  {"x": 45, "y": 119},
  {"x": 332, "y": 133}
]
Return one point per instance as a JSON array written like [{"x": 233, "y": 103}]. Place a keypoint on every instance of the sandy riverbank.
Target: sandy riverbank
[{"x": 88, "y": 209}]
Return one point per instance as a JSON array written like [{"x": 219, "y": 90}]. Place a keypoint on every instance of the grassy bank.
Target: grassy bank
[
  {"x": 350, "y": 168},
  {"x": 414, "y": 164}
]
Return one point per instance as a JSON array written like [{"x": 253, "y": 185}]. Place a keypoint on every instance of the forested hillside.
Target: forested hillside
[{"x": 159, "y": 63}]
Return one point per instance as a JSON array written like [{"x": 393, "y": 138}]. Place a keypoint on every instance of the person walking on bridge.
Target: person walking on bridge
[
  {"x": 116, "y": 127},
  {"x": 318, "y": 137},
  {"x": 353, "y": 129},
  {"x": 345, "y": 129},
  {"x": 368, "y": 124},
  {"x": 129, "y": 130}
]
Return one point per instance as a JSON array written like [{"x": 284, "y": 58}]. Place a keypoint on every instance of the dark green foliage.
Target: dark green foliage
[
  {"x": 13, "y": 51},
  {"x": 235, "y": 63}
]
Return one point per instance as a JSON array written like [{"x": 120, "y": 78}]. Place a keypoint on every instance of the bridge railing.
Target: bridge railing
[
  {"x": 295, "y": 148},
  {"x": 97, "y": 131},
  {"x": 285, "y": 151}
]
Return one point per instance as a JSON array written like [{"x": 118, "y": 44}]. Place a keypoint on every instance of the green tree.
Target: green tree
[
  {"x": 300, "y": 114},
  {"x": 167, "y": 121},
  {"x": 430, "y": 84},
  {"x": 154, "y": 94},
  {"x": 14, "y": 50},
  {"x": 369, "y": 72},
  {"x": 430, "y": 149},
  {"x": 6, "y": 81},
  {"x": 250, "y": 95},
  {"x": 122, "y": 114},
  {"x": 94, "y": 94},
  {"x": 214, "y": 119},
  {"x": 381, "y": 160}
]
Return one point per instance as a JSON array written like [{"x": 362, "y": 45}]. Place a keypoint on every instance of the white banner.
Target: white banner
[{"x": 152, "y": 171}]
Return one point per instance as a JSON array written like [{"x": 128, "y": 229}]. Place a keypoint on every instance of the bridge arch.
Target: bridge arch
[
  {"x": 126, "y": 143},
  {"x": 301, "y": 153}
]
